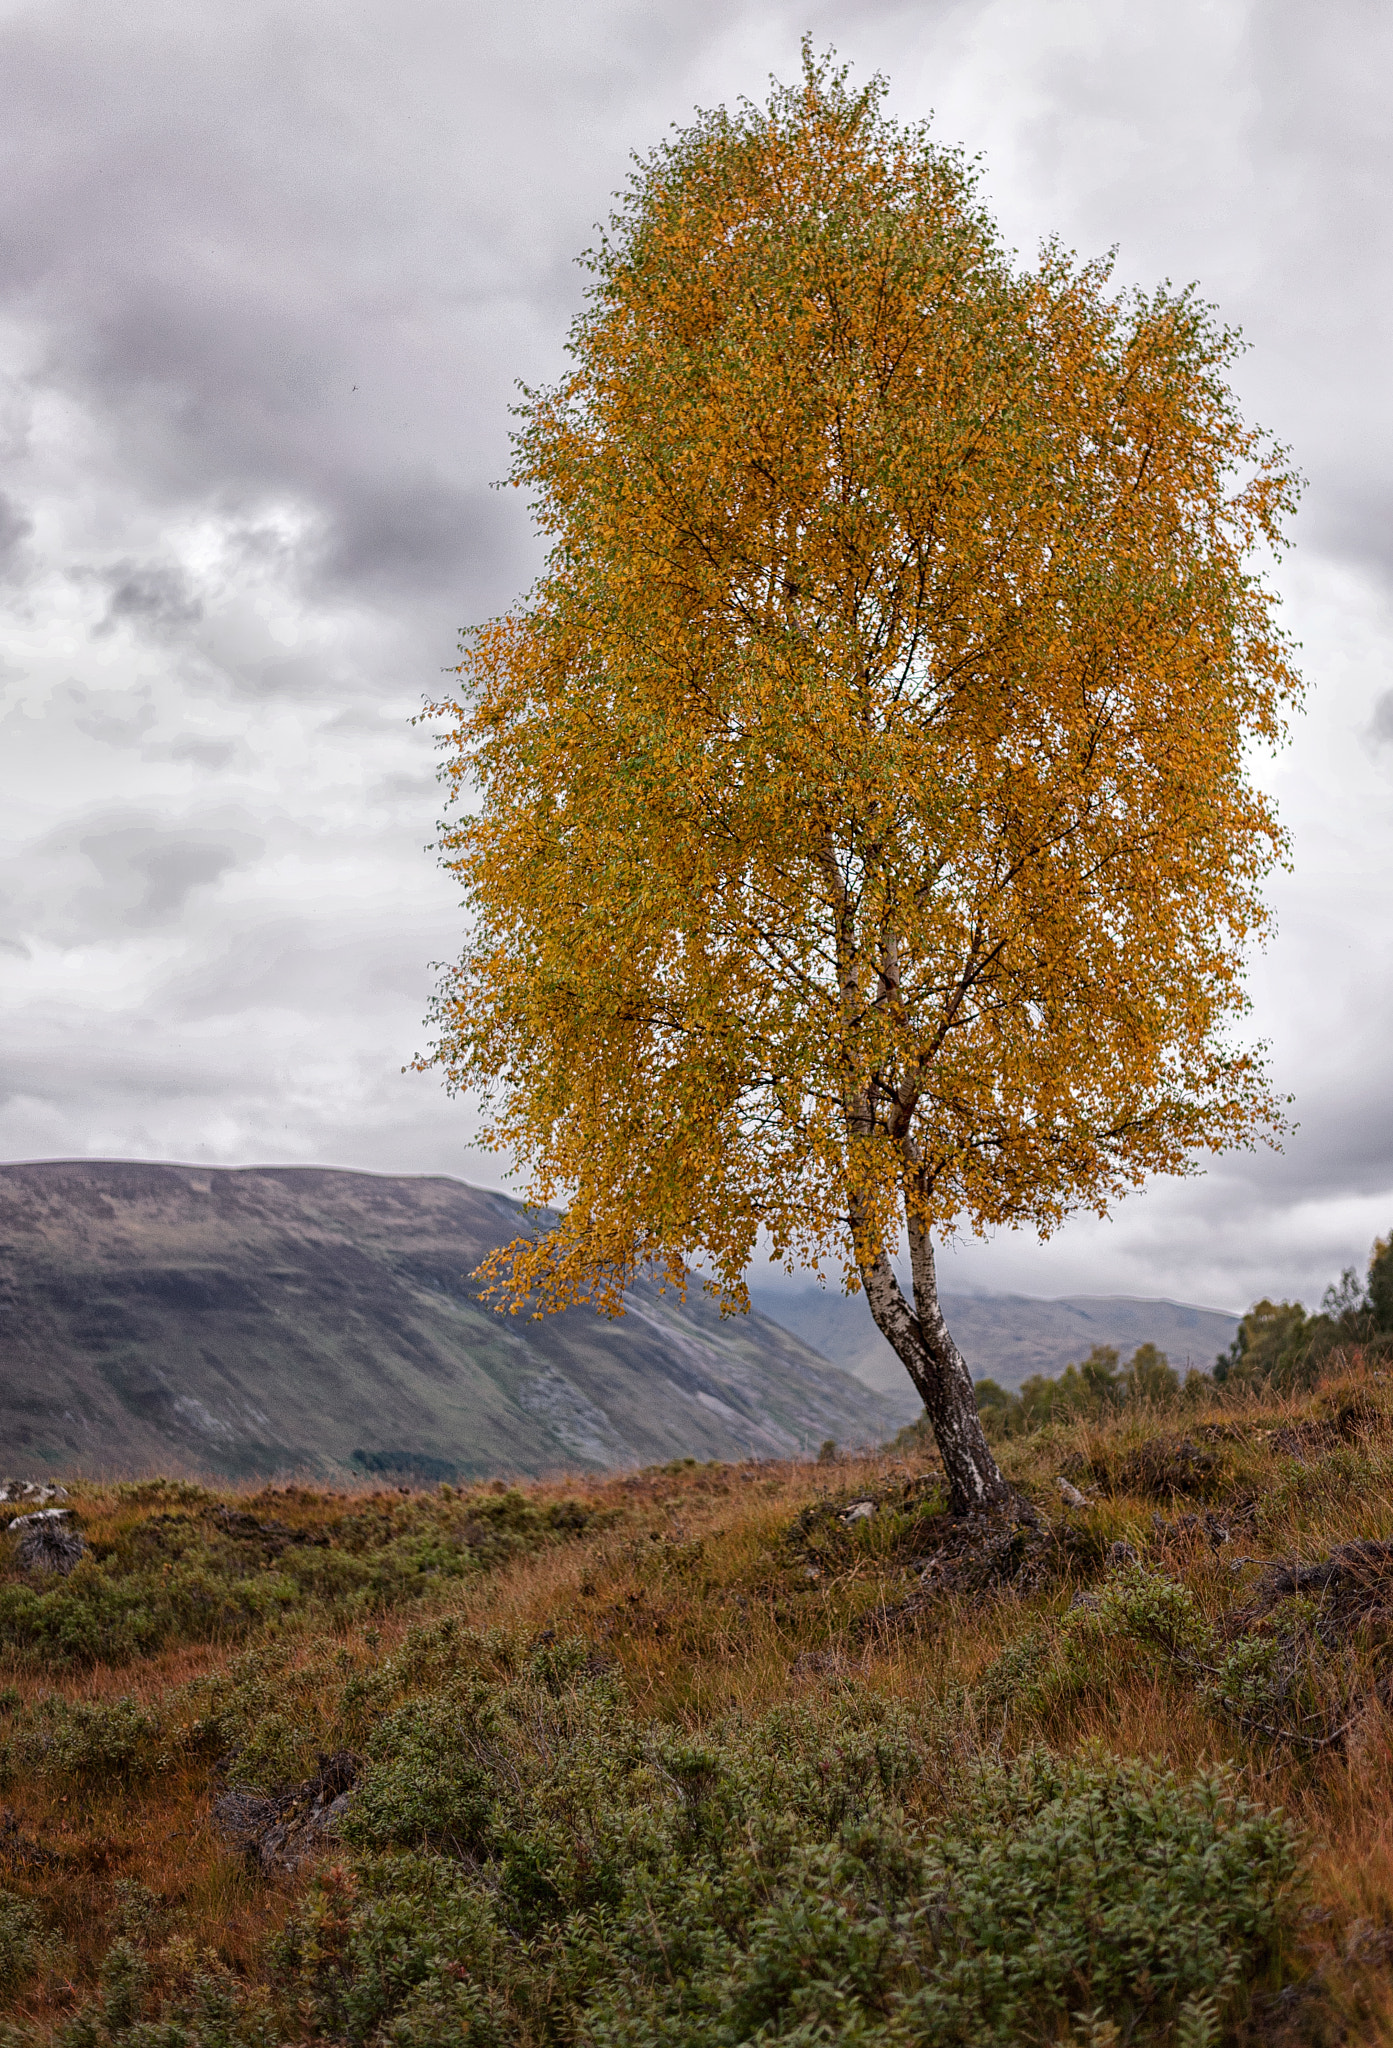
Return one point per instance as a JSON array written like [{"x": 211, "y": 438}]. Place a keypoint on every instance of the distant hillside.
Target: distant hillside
[
  {"x": 1005, "y": 1337},
  {"x": 268, "y": 1319}
]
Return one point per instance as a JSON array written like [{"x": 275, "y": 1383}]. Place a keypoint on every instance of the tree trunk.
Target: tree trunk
[{"x": 921, "y": 1339}]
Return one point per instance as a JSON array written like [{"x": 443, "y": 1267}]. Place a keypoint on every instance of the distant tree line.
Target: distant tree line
[
  {"x": 1099, "y": 1386},
  {"x": 1277, "y": 1345}
]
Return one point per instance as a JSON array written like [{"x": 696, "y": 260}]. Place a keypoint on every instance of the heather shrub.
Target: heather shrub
[
  {"x": 95, "y": 1741},
  {"x": 525, "y": 1858},
  {"x": 1289, "y": 1672}
]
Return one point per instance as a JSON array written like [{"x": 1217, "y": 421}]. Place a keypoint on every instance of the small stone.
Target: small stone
[
  {"x": 1071, "y": 1495},
  {"x": 859, "y": 1511}
]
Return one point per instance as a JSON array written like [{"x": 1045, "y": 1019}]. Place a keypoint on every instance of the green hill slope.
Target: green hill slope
[{"x": 269, "y": 1319}]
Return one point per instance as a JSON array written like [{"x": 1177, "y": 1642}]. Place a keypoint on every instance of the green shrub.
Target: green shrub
[
  {"x": 536, "y": 1863},
  {"x": 1113, "y": 1888},
  {"x": 1288, "y": 1675},
  {"x": 125, "y": 1979},
  {"x": 21, "y": 1945},
  {"x": 529, "y": 1860},
  {"x": 97, "y": 1741},
  {"x": 262, "y": 1719},
  {"x": 1148, "y": 1607},
  {"x": 276, "y": 1751}
]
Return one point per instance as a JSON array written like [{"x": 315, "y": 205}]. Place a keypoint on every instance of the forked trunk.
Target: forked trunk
[{"x": 924, "y": 1345}]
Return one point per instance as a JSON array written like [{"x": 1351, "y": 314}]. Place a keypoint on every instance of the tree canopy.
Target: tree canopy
[{"x": 854, "y": 821}]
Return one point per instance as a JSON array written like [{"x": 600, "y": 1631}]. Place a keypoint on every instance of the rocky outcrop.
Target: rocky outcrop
[{"x": 280, "y": 1832}]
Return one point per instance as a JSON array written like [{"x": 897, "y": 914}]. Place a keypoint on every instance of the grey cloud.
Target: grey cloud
[
  {"x": 16, "y": 418},
  {"x": 15, "y": 528},
  {"x": 232, "y": 234},
  {"x": 202, "y": 752},
  {"x": 274, "y": 675},
  {"x": 130, "y": 719},
  {"x": 302, "y": 257},
  {"x": 118, "y": 718},
  {"x": 1381, "y": 726},
  {"x": 115, "y": 873},
  {"x": 422, "y": 786},
  {"x": 225, "y": 1101},
  {"x": 157, "y": 598},
  {"x": 1354, "y": 519},
  {"x": 322, "y": 968},
  {"x": 148, "y": 872},
  {"x": 418, "y": 534},
  {"x": 134, "y": 1070},
  {"x": 302, "y": 678}
]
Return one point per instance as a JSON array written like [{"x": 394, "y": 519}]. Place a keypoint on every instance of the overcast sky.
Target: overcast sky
[{"x": 267, "y": 277}]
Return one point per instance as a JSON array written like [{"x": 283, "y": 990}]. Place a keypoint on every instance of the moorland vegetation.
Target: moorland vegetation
[{"x": 714, "y": 1754}]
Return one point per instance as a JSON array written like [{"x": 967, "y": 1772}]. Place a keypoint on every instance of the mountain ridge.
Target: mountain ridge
[
  {"x": 253, "y": 1320},
  {"x": 1005, "y": 1337}
]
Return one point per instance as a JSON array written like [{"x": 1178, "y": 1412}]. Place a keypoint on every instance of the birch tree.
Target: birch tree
[{"x": 855, "y": 820}]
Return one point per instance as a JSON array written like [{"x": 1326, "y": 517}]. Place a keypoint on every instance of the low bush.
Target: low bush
[
  {"x": 537, "y": 1864},
  {"x": 1286, "y": 1672},
  {"x": 98, "y": 1741},
  {"x": 527, "y": 1859},
  {"x": 21, "y": 1943}
]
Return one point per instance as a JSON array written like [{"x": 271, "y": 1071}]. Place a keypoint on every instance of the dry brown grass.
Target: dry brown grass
[{"x": 690, "y": 1585}]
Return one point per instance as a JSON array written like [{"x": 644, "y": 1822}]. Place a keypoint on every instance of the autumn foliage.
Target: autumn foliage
[{"x": 854, "y": 820}]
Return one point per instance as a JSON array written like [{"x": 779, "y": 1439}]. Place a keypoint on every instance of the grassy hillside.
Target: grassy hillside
[
  {"x": 279, "y": 1320},
  {"x": 712, "y": 1753}
]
